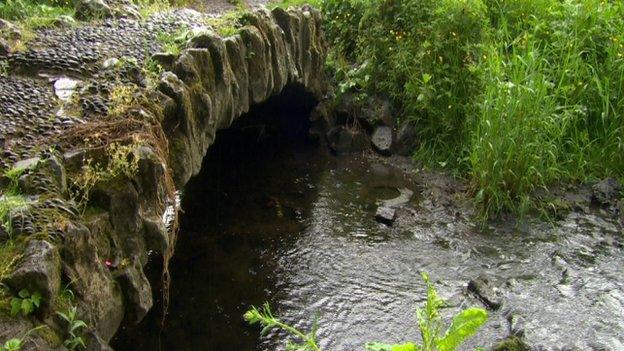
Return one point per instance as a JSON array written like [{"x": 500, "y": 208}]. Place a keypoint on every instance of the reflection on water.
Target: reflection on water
[{"x": 286, "y": 223}]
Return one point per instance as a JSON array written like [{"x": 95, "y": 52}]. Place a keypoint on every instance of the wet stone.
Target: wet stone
[
  {"x": 606, "y": 192},
  {"x": 382, "y": 140},
  {"x": 385, "y": 215},
  {"x": 483, "y": 289}
]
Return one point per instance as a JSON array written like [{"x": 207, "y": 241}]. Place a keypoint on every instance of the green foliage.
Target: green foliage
[
  {"x": 25, "y": 303},
  {"x": 463, "y": 326},
  {"x": 229, "y": 23},
  {"x": 75, "y": 327},
  {"x": 295, "y": 3},
  {"x": 513, "y": 94},
  {"x": 174, "y": 42},
  {"x": 8, "y": 205},
  {"x": 148, "y": 7},
  {"x": 265, "y": 318},
  {"x": 4, "y": 68},
  {"x": 17, "y": 343},
  {"x": 14, "y": 344},
  {"x": 121, "y": 163},
  {"x": 33, "y": 13}
]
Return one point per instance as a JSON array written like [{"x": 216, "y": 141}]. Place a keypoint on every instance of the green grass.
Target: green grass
[
  {"x": 512, "y": 95},
  {"x": 33, "y": 14},
  {"x": 296, "y": 3}
]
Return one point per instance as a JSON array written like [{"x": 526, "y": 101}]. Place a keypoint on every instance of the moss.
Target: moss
[
  {"x": 51, "y": 336},
  {"x": 5, "y": 303},
  {"x": 10, "y": 253},
  {"x": 228, "y": 23},
  {"x": 512, "y": 343}
]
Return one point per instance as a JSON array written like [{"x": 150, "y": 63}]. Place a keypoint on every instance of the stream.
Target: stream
[{"x": 288, "y": 223}]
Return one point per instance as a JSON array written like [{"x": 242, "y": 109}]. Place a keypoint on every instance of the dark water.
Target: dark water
[{"x": 281, "y": 221}]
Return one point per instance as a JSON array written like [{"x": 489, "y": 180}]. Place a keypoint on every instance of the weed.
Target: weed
[
  {"x": 14, "y": 344},
  {"x": 295, "y": 3},
  {"x": 17, "y": 343},
  {"x": 4, "y": 68},
  {"x": 13, "y": 174},
  {"x": 149, "y": 7},
  {"x": 9, "y": 204},
  {"x": 174, "y": 42},
  {"x": 25, "y": 303},
  {"x": 265, "y": 318},
  {"x": 121, "y": 162},
  {"x": 123, "y": 97},
  {"x": 464, "y": 325},
  {"x": 152, "y": 71},
  {"x": 74, "y": 339},
  {"x": 228, "y": 23}
]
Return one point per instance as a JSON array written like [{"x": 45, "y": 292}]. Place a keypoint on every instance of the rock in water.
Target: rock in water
[
  {"x": 482, "y": 289},
  {"x": 606, "y": 192},
  {"x": 382, "y": 140},
  {"x": 385, "y": 215}
]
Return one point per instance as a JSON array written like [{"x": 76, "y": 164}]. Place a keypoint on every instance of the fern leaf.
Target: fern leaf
[{"x": 464, "y": 325}]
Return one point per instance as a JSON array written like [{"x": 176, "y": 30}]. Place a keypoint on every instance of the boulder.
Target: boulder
[
  {"x": 92, "y": 9},
  {"x": 165, "y": 59},
  {"x": 484, "y": 290},
  {"x": 99, "y": 294},
  {"x": 385, "y": 215},
  {"x": 96, "y": 343},
  {"x": 137, "y": 291},
  {"x": 127, "y": 11},
  {"x": 382, "y": 140},
  {"x": 38, "y": 271},
  {"x": 606, "y": 192},
  {"x": 64, "y": 21}
]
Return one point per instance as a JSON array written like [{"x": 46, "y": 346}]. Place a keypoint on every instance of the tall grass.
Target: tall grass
[
  {"x": 513, "y": 94},
  {"x": 553, "y": 104},
  {"x": 33, "y": 13}
]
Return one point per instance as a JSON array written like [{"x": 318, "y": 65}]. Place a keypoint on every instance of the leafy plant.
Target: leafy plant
[
  {"x": 8, "y": 205},
  {"x": 17, "y": 343},
  {"x": 25, "y": 303},
  {"x": 464, "y": 325},
  {"x": 14, "y": 344},
  {"x": 121, "y": 163},
  {"x": 174, "y": 42},
  {"x": 32, "y": 14},
  {"x": 265, "y": 318},
  {"x": 74, "y": 339}
]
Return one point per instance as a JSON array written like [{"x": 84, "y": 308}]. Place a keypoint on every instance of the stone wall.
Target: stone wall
[{"x": 100, "y": 254}]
